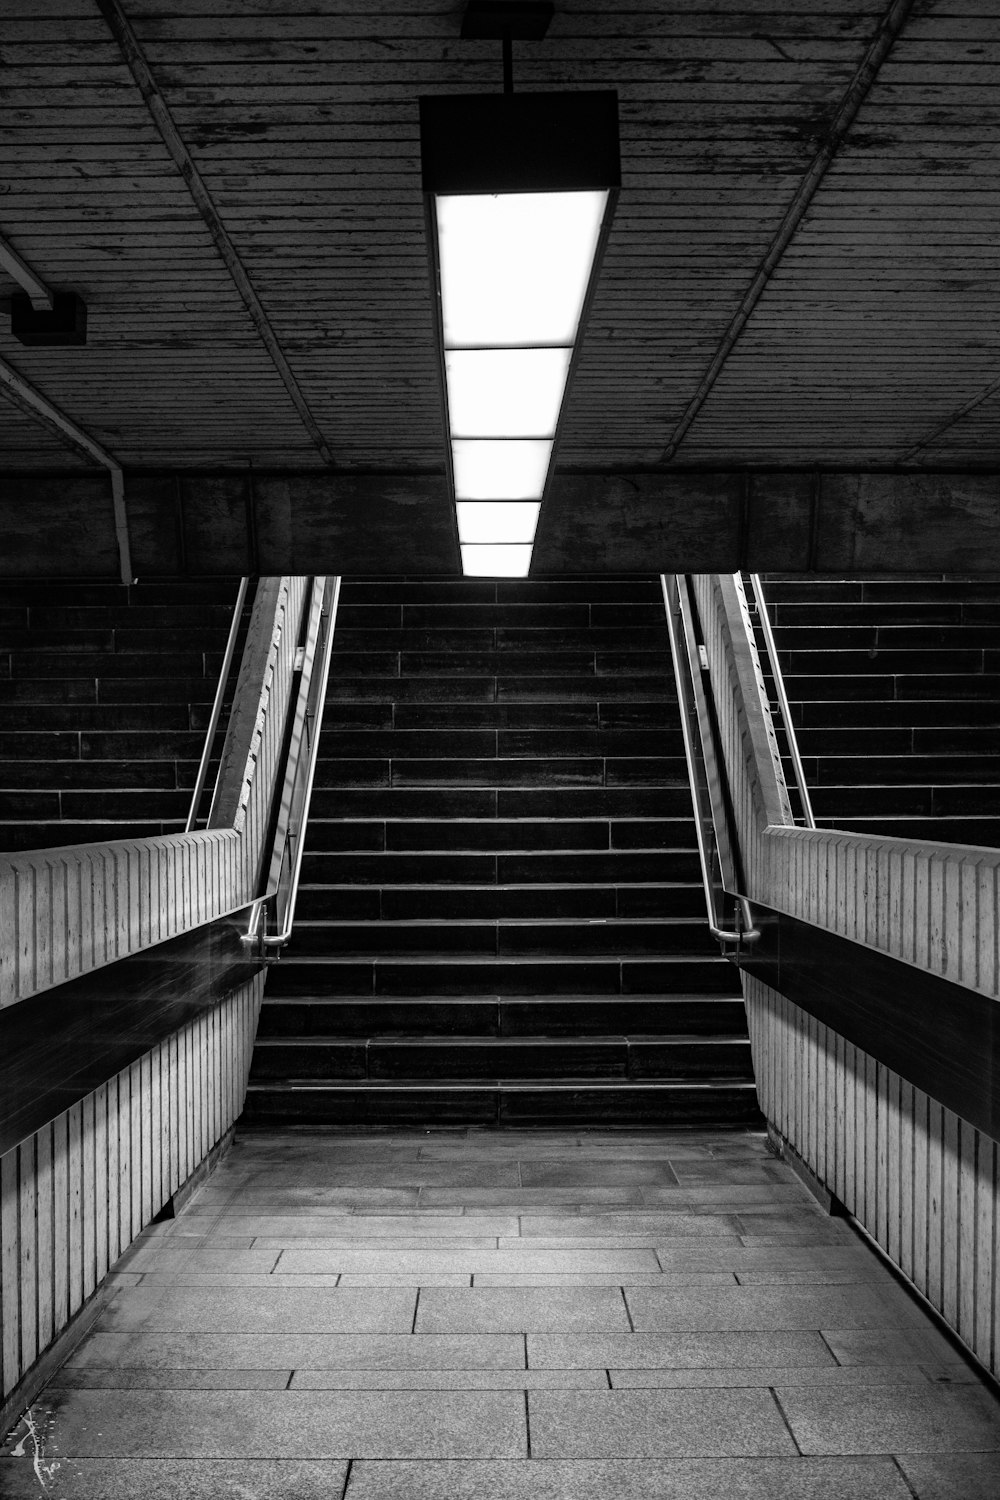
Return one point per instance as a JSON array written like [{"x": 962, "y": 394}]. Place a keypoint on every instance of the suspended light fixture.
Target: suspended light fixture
[{"x": 520, "y": 189}]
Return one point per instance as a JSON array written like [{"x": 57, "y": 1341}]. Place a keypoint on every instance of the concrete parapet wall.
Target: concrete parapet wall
[
  {"x": 921, "y": 1180},
  {"x": 75, "y": 1194}
]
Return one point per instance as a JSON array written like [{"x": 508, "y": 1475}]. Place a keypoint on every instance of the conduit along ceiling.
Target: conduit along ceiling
[{"x": 802, "y": 272}]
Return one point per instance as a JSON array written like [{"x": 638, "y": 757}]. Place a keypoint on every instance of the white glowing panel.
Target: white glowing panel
[
  {"x": 491, "y": 469},
  {"x": 505, "y": 392},
  {"x": 497, "y": 520},
  {"x": 515, "y": 266},
  {"x": 496, "y": 561}
]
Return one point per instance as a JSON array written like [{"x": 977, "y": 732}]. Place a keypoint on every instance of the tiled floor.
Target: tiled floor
[{"x": 543, "y": 1317}]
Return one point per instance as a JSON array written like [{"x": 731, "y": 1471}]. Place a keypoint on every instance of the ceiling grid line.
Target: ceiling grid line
[
  {"x": 131, "y": 50},
  {"x": 889, "y": 29}
]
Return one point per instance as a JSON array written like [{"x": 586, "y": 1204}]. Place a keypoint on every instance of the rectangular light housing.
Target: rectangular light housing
[{"x": 520, "y": 189}]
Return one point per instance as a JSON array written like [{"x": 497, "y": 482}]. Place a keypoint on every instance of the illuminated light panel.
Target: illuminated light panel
[
  {"x": 497, "y": 521},
  {"x": 495, "y": 469},
  {"x": 515, "y": 267},
  {"x": 511, "y": 393},
  {"x": 496, "y": 560}
]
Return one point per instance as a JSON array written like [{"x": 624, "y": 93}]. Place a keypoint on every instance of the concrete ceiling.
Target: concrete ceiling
[{"x": 803, "y": 272}]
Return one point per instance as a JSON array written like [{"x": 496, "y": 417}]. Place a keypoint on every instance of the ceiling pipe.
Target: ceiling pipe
[
  {"x": 41, "y": 295},
  {"x": 31, "y": 401}
]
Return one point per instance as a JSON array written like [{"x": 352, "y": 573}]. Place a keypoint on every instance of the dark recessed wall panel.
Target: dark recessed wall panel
[
  {"x": 57, "y": 526},
  {"x": 364, "y": 524},
  {"x": 628, "y": 523},
  {"x": 871, "y": 523}
]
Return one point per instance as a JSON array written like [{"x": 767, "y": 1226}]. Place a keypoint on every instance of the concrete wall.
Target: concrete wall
[
  {"x": 921, "y": 1180},
  {"x": 75, "y": 1194}
]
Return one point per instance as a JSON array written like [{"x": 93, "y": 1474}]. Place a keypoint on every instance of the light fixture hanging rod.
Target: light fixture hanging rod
[{"x": 25, "y": 277}]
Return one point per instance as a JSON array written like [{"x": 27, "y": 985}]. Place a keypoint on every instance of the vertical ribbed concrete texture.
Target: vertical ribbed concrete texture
[{"x": 501, "y": 920}]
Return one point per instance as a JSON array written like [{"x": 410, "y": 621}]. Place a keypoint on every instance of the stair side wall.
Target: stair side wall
[
  {"x": 76, "y": 1195},
  {"x": 919, "y": 1179}
]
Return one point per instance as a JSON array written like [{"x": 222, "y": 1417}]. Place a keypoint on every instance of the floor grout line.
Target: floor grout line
[{"x": 784, "y": 1418}]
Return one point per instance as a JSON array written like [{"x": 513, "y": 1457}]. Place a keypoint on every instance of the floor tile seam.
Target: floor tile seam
[{"x": 772, "y": 1392}]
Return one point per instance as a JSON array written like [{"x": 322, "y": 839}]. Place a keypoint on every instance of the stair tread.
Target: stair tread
[
  {"x": 610, "y": 1038},
  {"x": 554, "y": 1085}
]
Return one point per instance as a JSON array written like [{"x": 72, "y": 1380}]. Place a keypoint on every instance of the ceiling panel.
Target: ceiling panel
[{"x": 877, "y": 324}]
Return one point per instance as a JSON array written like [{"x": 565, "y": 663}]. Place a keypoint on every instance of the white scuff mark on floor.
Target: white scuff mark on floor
[{"x": 44, "y": 1473}]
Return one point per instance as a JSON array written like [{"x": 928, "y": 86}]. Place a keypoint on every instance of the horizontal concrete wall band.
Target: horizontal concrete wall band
[
  {"x": 65, "y": 912},
  {"x": 667, "y": 520},
  {"x": 75, "y": 1194},
  {"x": 920, "y": 1179}
]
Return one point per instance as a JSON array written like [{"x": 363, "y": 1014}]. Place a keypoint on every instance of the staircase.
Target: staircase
[
  {"x": 894, "y": 687},
  {"x": 501, "y": 922},
  {"x": 105, "y": 697}
]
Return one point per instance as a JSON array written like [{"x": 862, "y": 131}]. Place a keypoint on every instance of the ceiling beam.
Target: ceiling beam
[
  {"x": 191, "y": 523},
  {"x": 128, "y": 43},
  {"x": 890, "y": 26}
]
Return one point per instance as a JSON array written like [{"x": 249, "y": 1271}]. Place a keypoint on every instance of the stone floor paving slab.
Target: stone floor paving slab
[
  {"x": 176, "y": 1479},
  {"x": 360, "y": 1246},
  {"x": 739, "y": 1257},
  {"x": 656, "y": 1424},
  {"x": 654, "y": 1351},
  {"x": 869, "y": 1271},
  {"x": 952, "y": 1476},
  {"x": 726, "y": 1193},
  {"x": 444, "y": 1380},
  {"x": 873, "y": 1419},
  {"x": 858, "y": 1305},
  {"x": 633, "y": 1479},
  {"x": 652, "y": 1226},
  {"x": 569, "y": 1240},
  {"x": 126, "y": 1377},
  {"x": 602, "y": 1278},
  {"x": 268, "y": 1351},
  {"x": 285, "y": 1310},
  {"x": 517, "y": 1257},
  {"x": 375, "y": 1226},
  {"x": 526, "y": 1197},
  {"x": 158, "y": 1258},
  {"x": 457, "y": 1173},
  {"x": 514, "y": 1310},
  {"x": 285, "y": 1424},
  {"x": 878, "y": 1346},
  {"x": 593, "y": 1171},
  {"x": 281, "y": 1198},
  {"x": 772, "y": 1375}
]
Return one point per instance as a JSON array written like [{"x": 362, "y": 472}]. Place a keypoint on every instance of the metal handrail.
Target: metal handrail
[
  {"x": 747, "y": 932},
  {"x": 220, "y": 693},
  {"x": 783, "y": 704},
  {"x": 309, "y": 706}
]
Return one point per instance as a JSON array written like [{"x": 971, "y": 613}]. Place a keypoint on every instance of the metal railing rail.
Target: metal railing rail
[
  {"x": 784, "y": 707},
  {"x": 220, "y": 694},
  {"x": 707, "y": 793},
  {"x": 300, "y": 771}
]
